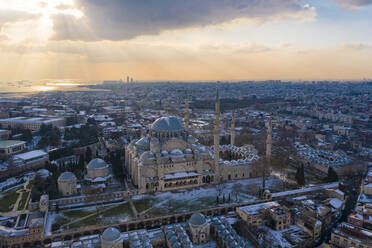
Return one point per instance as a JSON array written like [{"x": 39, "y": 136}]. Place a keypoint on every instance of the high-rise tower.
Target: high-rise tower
[
  {"x": 187, "y": 114},
  {"x": 232, "y": 131},
  {"x": 216, "y": 135}
]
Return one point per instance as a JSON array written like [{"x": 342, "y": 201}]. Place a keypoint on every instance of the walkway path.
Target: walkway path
[{"x": 135, "y": 212}]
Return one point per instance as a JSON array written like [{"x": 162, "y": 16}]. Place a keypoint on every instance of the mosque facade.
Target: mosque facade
[{"x": 168, "y": 157}]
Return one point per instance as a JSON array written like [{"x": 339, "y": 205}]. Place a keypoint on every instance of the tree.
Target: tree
[
  {"x": 81, "y": 163},
  {"x": 300, "y": 175},
  {"x": 26, "y": 135},
  {"x": 332, "y": 175},
  {"x": 88, "y": 154}
]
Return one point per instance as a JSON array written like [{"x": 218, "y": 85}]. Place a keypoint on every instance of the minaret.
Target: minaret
[
  {"x": 216, "y": 135},
  {"x": 269, "y": 140},
  {"x": 187, "y": 114},
  {"x": 268, "y": 150},
  {"x": 232, "y": 131}
]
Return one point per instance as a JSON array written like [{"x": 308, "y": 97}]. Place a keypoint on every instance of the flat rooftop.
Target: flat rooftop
[
  {"x": 21, "y": 119},
  {"x": 9, "y": 143},
  {"x": 31, "y": 155},
  {"x": 255, "y": 209}
]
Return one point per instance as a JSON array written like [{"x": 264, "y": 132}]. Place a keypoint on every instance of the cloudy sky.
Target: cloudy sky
[{"x": 185, "y": 40}]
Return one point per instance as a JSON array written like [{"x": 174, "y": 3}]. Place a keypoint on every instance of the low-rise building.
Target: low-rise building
[
  {"x": 4, "y": 134},
  {"x": 255, "y": 214},
  {"x": 346, "y": 235},
  {"x": 280, "y": 217},
  {"x": 11, "y": 147},
  {"x": 29, "y": 160},
  {"x": 32, "y": 123}
]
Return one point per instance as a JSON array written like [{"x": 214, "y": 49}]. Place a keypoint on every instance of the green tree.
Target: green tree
[
  {"x": 300, "y": 175},
  {"x": 332, "y": 175},
  {"x": 88, "y": 154},
  {"x": 26, "y": 135}
]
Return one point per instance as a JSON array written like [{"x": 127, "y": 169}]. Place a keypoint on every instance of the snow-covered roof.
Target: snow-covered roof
[
  {"x": 255, "y": 209},
  {"x": 31, "y": 155}
]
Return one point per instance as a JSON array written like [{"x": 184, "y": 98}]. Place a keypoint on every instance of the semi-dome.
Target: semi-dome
[
  {"x": 96, "y": 164},
  {"x": 111, "y": 234},
  {"x": 66, "y": 176},
  {"x": 197, "y": 219},
  {"x": 167, "y": 124},
  {"x": 144, "y": 143},
  {"x": 146, "y": 156},
  {"x": 176, "y": 153},
  {"x": 43, "y": 173}
]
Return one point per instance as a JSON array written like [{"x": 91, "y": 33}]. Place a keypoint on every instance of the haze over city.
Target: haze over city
[{"x": 185, "y": 40}]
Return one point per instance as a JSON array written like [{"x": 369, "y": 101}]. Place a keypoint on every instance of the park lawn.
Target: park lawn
[
  {"x": 23, "y": 201},
  {"x": 119, "y": 212},
  {"x": 8, "y": 199}
]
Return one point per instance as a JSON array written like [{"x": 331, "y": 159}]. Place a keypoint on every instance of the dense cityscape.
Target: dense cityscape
[
  {"x": 180, "y": 164},
  {"x": 185, "y": 124}
]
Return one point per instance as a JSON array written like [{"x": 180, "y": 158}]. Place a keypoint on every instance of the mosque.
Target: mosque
[{"x": 168, "y": 157}]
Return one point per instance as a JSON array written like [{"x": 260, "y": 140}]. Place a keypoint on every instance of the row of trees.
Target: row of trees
[
  {"x": 86, "y": 134},
  {"x": 300, "y": 175},
  {"x": 50, "y": 136}
]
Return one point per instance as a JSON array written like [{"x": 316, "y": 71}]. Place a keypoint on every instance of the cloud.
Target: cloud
[
  {"x": 126, "y": 19},
  {"x": 8, "y": 16},
  {"x": 353, "y": 4},
  {"x": 354, "y": 46}
]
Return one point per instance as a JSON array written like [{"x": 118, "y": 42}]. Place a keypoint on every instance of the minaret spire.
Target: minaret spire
[
  {"x": 216, "y": 135},
  {"x": 232, "y": 131},
  {"x": 187, "y": 113},
  {"x": 268, "y": 150},
  {"x": 269, "y": 140}
]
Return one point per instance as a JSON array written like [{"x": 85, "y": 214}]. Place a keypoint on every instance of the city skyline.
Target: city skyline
[{"x": 174, "y": 40}]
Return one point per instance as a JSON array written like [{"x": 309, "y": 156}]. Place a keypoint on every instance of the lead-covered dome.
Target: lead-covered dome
[
  {"x": 167, "y": 124},
  {"x": 67, "y": 176},
  {"x": 96, "y": 164},
  {"x": 197, "y": 219},
  {"x": 111, "y": 234}
]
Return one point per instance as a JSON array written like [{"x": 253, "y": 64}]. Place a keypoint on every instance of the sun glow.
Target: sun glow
[{"x": 38, "y": 25}]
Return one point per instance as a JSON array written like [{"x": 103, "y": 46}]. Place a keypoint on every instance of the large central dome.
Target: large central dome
[{"x": 167, "y": 124}]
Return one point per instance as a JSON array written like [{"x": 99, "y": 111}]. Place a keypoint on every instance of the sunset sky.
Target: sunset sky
[{"x": 185, "y": 39}]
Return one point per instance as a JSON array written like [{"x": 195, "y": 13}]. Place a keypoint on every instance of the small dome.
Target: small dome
[
  {"x": 146, "y": 156},
  {"x": 66, "y": 176},
  {"x": 43, "y": 173},
  {"x": 197, "y": 219},
  {"x": 96, "y": 164},
  {"x": 176, "y": 153},
  {"x": 144, "y": 143},
  {"x": 167, "y": 124},
  {"x": 188, "y": 151},
  {"x": 164, "y": 153},
  {"x": 111, "y": 234}
]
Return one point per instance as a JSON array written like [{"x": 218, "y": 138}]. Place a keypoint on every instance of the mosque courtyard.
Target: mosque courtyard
[{"x": 161, "y": 203}]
